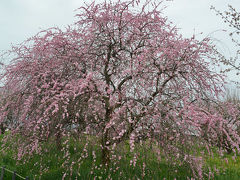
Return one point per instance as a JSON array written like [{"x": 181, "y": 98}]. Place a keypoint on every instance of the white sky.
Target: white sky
[{"x": 21, "y": 19}]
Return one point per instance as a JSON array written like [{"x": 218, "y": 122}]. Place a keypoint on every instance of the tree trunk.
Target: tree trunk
[
  {"x": 105, "y": 156},
  {"x": 58, "y": 141}
]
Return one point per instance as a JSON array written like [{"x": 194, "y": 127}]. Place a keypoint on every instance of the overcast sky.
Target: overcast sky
[{"x": 21, "y": 19}]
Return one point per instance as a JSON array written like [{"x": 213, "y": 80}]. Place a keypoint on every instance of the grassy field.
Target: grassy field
[{"x": 49, "y": 166}]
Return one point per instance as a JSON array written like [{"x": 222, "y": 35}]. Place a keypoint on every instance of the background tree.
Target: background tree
[
  {"x": 232, "y": 18},
  {"x": 119, "y": 72},
  {"x": 225, "y": 127}
]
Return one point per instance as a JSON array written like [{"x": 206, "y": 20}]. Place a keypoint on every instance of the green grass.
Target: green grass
[{"x": 155, "y": 169}]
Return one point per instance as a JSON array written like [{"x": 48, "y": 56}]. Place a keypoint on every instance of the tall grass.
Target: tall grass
[{"x": 148, "y": 166}]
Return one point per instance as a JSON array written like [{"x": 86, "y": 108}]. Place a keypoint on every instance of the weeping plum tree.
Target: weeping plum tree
[{"x": 120, "y": 71}]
